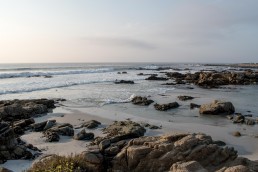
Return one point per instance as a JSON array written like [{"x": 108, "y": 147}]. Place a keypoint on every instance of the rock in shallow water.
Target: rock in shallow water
[
  {"x": 143, "y": 101},
  {"x": 217, "y": 108},
  {"x": 164, "y": 107}
]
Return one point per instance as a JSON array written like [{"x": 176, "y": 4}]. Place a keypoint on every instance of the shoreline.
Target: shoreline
[{"x": 246, "y": 146}]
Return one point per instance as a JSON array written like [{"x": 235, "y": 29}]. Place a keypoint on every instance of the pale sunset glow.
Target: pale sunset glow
[{"x": 128, "y": 31}]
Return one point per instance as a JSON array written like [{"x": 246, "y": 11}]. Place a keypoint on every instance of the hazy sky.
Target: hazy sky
[{"x": 128, "y": 31}]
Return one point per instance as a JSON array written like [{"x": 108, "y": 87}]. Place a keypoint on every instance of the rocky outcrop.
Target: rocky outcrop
[
  {"x": 124, "y": 148},
  {"x": 142, "y": 101},
  {"x": 155, "y": 78},
  {"x": 164, "y": 107},
  {"x": 177, "y": 152},
  {"x": 214, "y": 79},
  {"x": 217, "y": 107},
  {"x": 124, "y": 82},
  {"x": 10, "y": 147},
  {"x": 11, "y": 110}
]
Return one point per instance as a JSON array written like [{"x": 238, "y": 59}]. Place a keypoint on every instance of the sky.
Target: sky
[{"x": 208, "y": 31}]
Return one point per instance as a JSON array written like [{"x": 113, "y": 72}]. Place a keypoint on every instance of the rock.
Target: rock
[
  {"x": 7, "y": 137},
  {"x": 2, "y": 169},
  {"x": 217, "y": 107},
  {"x": 164, "y": 107},
  {"x": 124, "y": 82},
  {"x": 250, "y": 122},
  {"x": 91, "y": 124},
  {"x": 104, "y": 144},
  {"x": 94, "y": 161},
  {"x": 49, "y": 124},
  {"x": 92, "y": 157},
  {"x": 190, "y": 166},
  {"x": 65, "y": 129},
  {"x": 11, "y": 110},
  {"x": 215, "y": 79},
  {"x": 219, "y": 143},
  {"x": 184, "y": 98},
  {"x": 10, "y": 148},
  {"x": 51, "y": 136},
  {"x": 238, "y": 168},
  {"x": 24, "y": 123},
  {"x": 39, "y": 126},
  {"x": 143, "y": 101},
  {"x": 48, "y": 76},
  {"x": 239, "y": 118},
  {"x": 236, "y": 133},
  {"x": 118, "y": 131},
  {"x": 82, "y": 135},
  {"x": 154, "y": 77},
  {"x": 193, "y": 105},
  {"x": 124, "y": 72},
  {"x": 128, "y": 128},
  {"x": 154, "y": 127}
]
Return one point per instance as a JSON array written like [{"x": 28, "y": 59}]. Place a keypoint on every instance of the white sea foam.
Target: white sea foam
[
  {"x": 113, "y": 101},
  {"x": 44, "y": 73}
]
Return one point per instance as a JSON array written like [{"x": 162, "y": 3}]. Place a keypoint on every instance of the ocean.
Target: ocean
[
  {"x": 92, "y": 85},
  {"x": 89, "y": 89}
]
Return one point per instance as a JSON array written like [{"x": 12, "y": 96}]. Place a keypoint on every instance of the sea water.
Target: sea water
[{"x": 92, "y": 85}]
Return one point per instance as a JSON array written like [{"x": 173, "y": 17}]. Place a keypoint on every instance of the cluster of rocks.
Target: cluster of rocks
[
  {"x": 52, "y": 131},
  {"x": 12, "y": 110},
  {"x": 124, "y": 82},
  {"x": 11, "y": 147},
  {"x": 214, "y": 79},
  {"x": 238, "y": 118},
  {"x": 126, "y": 149},
  {"x": 143, "y": 101},
  {"x": 16, "y": 117},
  {"x": 124, "y": 72}
]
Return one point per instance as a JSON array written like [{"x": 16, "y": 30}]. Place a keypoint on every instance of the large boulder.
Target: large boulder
[{"x": 217, "y": 107}]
